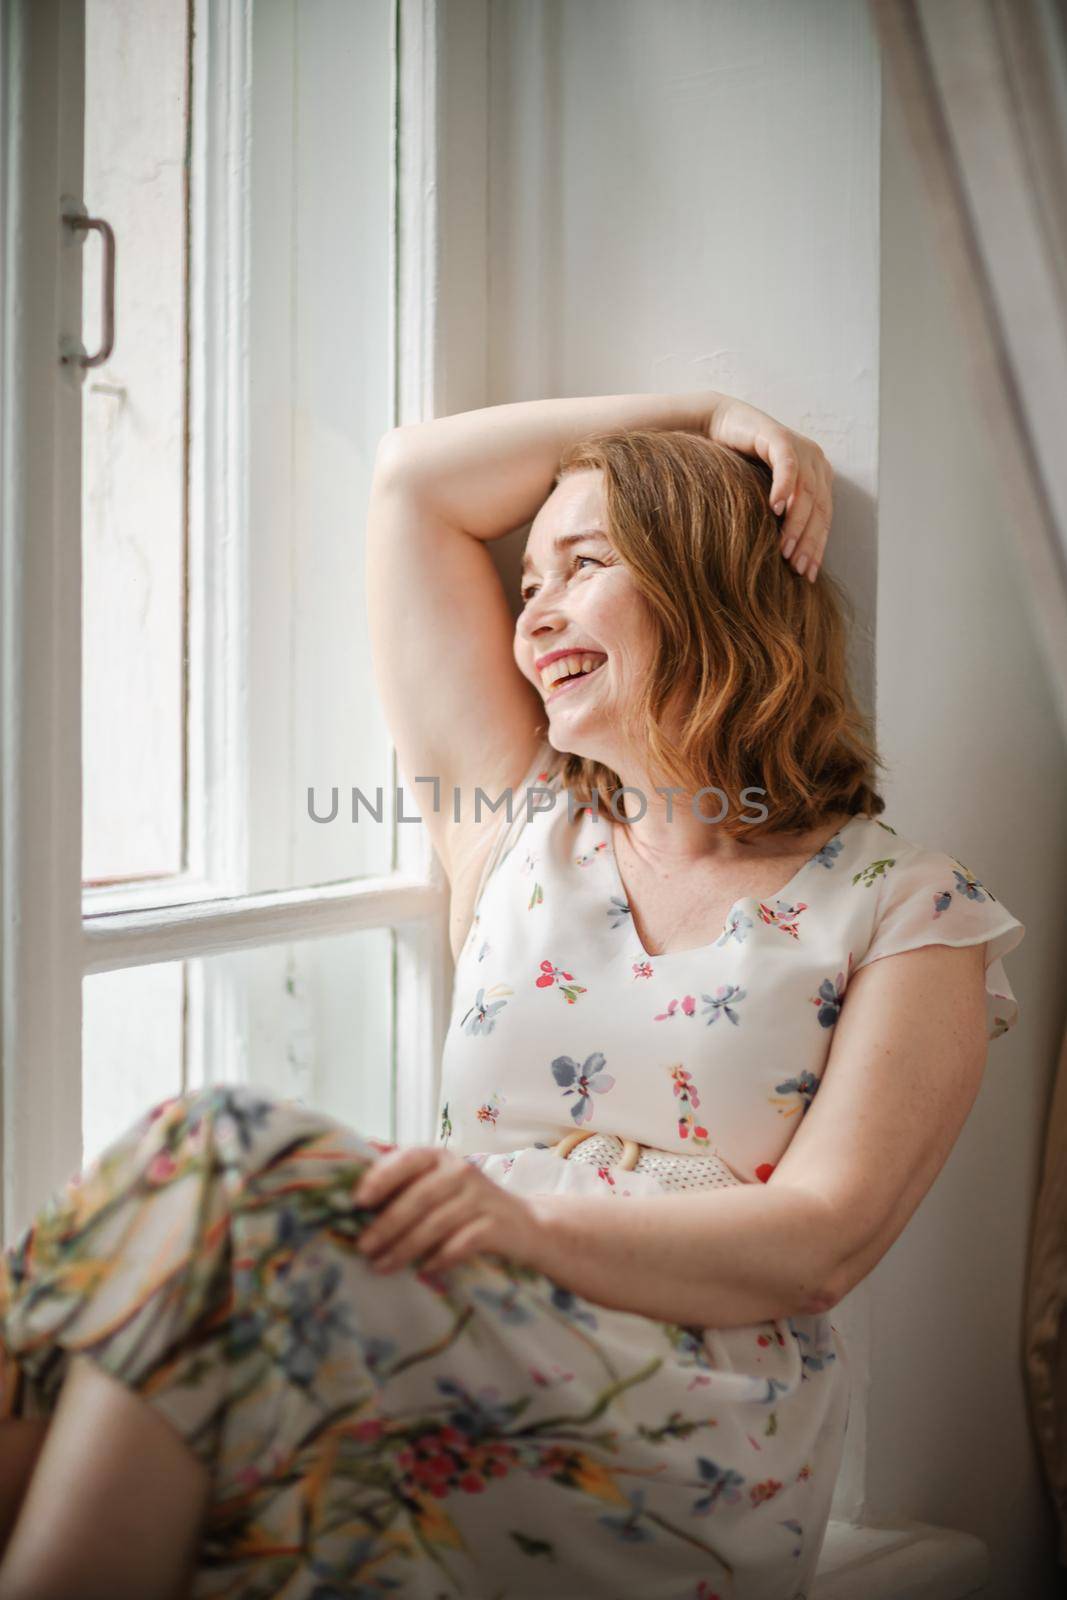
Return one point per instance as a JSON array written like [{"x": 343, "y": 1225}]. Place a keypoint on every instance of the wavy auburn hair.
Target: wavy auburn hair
[{"x": 756, "y": 651}]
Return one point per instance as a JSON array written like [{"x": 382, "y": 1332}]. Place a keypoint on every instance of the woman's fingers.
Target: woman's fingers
[
  {"x": 466, "y": 1241},
  {"x": 796, "y": 521},
  {"x": 431, "y": 1232},
  {"x": 807, "y": 525},
  {"x": 782, "y": 460},
  {"x": 429, "y": 1192},
  {"x": 392, "y": 1171}
]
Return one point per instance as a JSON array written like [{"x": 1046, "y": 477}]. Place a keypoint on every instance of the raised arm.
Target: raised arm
[
  {"x": 458, "y": 707},
  {"x": 441, "y": 629}
]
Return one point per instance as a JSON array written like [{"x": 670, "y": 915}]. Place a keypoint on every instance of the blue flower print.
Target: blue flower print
[
  {"x": 971, "y": 887},
  {"x": 827, "y": 856},
  {"x": 582, "y": 1080},
  {"x": 483, "y": 1012},
  {"x": 805, "y": 1086},
  {"x": 829, "y": 999},
  {"x": 316, "y": 1315},
  {"x": 572, "y": 1306},
  {"x": 628, "y": 1526},
  {"x": 736, "y": 926},
  {"x": 479, "y": 1416},
  {"x": 377, "y": 1352},
  {"x": 506, "y": 1304},
  {"x": 238, "y": 1111},
  {"x": 722, "y": 1002},
  {"x": 618, "y": 911},
  {"x": 823, "y": 1353},
  {"x": 723, "y": 1484}
]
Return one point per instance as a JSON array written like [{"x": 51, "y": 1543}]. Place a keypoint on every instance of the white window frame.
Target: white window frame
[{"x": 54, "y": 934}]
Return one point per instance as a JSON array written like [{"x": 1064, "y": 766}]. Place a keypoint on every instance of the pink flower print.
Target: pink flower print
[
  {"x": 766, "y": 1490},
  {"x": 688, "y": 1006},
  {"x": 568, "y": 988},
  {"x": 536, "y": 897},
  {"x": 642, "y": 969},
  {"x": 489, "y": 1111},
  {"x": 162, "y": 1168},
  {"x": 783, "y": 915},
  {"x": 370, "y": 1430},
  {"x": 684, "y": 1087},
  {"x": 582, "y": 1081},
  {"x": 722, "y": 1002},
  {"x": 583, "y": 858},
  {"x": 605, "y": 1174},
  {"x": 685, "y": 1090},
  {"x": 689, "y": 1128}
]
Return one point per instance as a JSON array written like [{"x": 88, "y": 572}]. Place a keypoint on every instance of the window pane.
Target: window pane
[
  {"x": 320, "y": 364},
  {"x": 133, "y": 461},
  {"x": 308, "y": 1021},
  {"x": 229, "y": 442}
]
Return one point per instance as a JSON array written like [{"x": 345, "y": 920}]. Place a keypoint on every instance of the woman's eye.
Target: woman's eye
[{"x": 527, "y": 594}]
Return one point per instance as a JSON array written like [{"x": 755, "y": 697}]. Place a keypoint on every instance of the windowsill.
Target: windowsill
[{"x": 910, "y": 1561}]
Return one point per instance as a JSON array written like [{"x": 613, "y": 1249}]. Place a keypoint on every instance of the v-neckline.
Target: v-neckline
[{"x": 742, "y": 900}]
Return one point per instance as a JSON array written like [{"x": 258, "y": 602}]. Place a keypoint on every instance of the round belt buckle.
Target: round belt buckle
[{"x": 631, "y": 1150}]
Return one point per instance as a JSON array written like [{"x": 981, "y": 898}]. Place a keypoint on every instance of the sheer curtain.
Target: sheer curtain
[{"x": 984, "y": 88}]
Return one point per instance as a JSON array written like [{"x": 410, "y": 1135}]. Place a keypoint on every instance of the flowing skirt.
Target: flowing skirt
[{"x": 477, "y": 1432}]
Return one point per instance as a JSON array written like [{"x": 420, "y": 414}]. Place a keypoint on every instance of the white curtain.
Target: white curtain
[{"x": 983, "y": 84}]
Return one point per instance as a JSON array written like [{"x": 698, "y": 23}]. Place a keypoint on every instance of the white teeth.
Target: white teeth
[{"x": 567, "y": 667}]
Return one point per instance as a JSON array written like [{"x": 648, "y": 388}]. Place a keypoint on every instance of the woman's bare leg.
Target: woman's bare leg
[
  {"x": 21, "y": 1439},
  {"x": 114, "y": 1506}
]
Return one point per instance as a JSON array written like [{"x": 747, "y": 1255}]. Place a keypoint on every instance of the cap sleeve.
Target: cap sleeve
[{"x": 932, "y": 898}]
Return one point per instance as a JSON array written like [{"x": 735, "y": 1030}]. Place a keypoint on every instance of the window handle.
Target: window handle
[{"x": 75, "y": 218}]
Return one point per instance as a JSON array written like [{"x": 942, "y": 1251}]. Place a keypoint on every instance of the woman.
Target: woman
[{"x": 466, "y": 1369}]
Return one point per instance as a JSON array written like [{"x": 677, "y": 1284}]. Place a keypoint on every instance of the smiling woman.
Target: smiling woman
[{"x": 427, "y": 1368}]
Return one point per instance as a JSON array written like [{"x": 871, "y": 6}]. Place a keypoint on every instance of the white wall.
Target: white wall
[
  {"x": 688, "y": 193},
  {"x": 967, "y": 724}
]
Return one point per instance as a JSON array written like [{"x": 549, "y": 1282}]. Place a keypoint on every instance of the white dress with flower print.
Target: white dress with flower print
[{"x": 562, "y": 1020}]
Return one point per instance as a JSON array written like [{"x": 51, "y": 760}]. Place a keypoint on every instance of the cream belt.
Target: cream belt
[{"x": 671, "y": 1170}]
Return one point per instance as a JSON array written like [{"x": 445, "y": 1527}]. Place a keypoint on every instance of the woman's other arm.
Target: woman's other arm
[{"x": 904, "y": 1069}]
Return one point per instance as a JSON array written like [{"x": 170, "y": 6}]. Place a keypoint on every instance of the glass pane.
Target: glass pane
[
  {"x": 133, "y": 462},
  {"x": 308, "y": 1021},
  {"x": 227, "y": 670},
  {"x": 321, "y": 288}
]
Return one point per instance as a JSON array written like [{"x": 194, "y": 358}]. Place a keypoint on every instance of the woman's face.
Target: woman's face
[{"x": 580, "y": 597}]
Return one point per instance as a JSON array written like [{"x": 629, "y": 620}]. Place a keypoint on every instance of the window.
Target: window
[{"x": 240, "y": 914}]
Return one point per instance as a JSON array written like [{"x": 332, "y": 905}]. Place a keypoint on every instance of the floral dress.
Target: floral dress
[{"x": 483, "y": 1431}]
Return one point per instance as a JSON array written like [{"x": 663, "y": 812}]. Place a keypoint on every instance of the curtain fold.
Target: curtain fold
[{"x": 983, "y": 85}]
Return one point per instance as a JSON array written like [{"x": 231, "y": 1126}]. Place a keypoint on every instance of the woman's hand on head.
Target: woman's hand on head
[
  {"x": 802, "y": 486},
  {"x": 434, "y": 1209}
]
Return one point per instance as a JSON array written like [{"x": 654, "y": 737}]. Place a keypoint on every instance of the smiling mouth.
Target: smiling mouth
[{"x": 569, "y": 683}]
